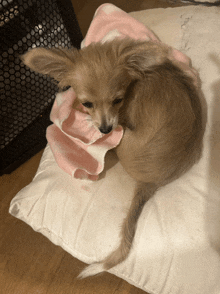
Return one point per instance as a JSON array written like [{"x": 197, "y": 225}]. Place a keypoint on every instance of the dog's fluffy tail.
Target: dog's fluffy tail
[{"x": 143, "y": 193}]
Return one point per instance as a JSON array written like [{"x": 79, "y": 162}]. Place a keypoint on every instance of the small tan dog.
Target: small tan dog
[{"x": 136, "y": 85}]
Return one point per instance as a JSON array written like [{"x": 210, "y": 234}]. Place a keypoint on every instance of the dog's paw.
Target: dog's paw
[{"x": 91, "y": 270}]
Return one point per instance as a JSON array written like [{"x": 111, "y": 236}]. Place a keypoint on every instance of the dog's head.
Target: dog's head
[{"x": 100, "y": 73}]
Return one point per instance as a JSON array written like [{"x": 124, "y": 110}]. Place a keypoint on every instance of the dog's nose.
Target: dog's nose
[{"x": 105, "y": 129}]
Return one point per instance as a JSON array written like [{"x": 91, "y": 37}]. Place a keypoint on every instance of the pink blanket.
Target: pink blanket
[{"x": 78, "y": 147}]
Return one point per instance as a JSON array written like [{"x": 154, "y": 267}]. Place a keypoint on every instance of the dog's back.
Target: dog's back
[{"x": 165, "y": 115}]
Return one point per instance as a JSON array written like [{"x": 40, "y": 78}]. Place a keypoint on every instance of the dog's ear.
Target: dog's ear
[
  {"x": 143, "y": 57},
  {"x": 57, "y": 63}
]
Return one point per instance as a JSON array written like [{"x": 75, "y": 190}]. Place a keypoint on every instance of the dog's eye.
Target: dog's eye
[
  {"x": 117, "y": 101},
  {"x": 87, "y": 104}
]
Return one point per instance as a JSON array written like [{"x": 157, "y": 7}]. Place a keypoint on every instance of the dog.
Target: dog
[{"x": 135, "y": 84}]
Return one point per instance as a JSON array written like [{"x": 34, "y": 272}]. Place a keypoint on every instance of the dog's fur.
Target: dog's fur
[{"x": 134, "y": 84}]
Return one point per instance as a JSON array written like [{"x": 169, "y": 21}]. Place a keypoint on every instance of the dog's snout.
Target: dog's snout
[{"x": 105, "y": 129}]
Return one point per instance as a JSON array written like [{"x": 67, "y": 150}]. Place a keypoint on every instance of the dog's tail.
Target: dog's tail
[{"x": 144, "y": 191}]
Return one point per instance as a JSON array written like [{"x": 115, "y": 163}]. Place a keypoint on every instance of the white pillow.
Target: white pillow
[{"x": 177, "y": 243}]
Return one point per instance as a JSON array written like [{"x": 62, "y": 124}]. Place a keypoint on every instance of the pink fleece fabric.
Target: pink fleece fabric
[{"x": 78, "y": 147}]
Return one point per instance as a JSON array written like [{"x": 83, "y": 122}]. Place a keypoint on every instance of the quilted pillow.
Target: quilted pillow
[{"x": 177, "y": 242}]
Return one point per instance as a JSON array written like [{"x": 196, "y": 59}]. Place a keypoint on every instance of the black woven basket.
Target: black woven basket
[{"x": 26, "y": 98}]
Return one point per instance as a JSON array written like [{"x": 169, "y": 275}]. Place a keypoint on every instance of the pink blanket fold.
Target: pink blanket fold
[{"x": 79, "y": 148}]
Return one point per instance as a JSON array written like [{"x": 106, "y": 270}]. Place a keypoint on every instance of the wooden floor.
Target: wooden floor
[{"x": 29, "y": 263}]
